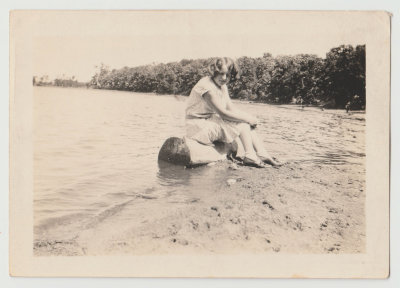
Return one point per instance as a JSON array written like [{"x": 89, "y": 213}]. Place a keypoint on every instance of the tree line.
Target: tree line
[
  {"x": 336, "y": 81},
  {"x": 58, "y": 82}
]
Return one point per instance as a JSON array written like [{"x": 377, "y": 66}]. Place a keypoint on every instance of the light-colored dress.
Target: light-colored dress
[{"x": 203, "y": 123}]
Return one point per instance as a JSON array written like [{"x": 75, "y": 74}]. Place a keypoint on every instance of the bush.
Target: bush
[{"x": 334, "y": 80}]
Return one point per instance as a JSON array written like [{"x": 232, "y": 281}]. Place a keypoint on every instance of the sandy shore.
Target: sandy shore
[{"x": 296, "y": 208}]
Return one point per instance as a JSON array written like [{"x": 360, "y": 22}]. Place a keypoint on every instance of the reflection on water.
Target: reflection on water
[
  {"x": 197, "y": 179},
  {"x": 172, "y": 175},
  {"x": 96, "y": 149}
]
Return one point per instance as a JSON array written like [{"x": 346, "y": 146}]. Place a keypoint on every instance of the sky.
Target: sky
[{"x": 147, "y": 38}]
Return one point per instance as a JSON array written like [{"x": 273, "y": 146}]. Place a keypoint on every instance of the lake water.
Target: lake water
[{"x": 97, "y": 149}]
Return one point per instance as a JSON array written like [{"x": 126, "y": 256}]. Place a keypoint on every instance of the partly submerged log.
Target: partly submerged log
[{"x": 184, "y": 151}]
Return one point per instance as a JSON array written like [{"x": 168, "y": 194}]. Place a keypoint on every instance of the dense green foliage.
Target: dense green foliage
[
  {"x": 336, "y": 81},
  {"x": 171, "y": 78}
]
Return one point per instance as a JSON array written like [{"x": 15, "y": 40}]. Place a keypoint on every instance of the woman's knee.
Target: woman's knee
[{"x": 243, "y": 127}]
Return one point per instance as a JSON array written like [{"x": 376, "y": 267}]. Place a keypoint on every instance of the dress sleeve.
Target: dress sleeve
[{"x": 203, "y": 86}]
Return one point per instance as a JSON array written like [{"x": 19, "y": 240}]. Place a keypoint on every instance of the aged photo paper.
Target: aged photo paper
[{"x": 97, "y": 107}]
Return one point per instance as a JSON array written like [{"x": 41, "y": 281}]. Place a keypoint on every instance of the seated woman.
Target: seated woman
[{"x": 211, "y": 115}]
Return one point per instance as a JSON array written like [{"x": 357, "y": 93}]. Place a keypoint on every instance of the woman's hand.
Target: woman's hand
[{"x": 253, "y": 122}]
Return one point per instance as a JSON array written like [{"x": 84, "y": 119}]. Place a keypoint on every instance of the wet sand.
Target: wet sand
[{"x": 295, "y": 208}]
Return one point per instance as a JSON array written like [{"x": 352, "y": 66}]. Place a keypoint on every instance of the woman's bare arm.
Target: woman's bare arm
[{"x": 226, "y": 111}]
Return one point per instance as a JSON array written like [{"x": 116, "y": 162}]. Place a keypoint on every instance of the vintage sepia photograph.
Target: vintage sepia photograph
[
  {"x": 118, "y": 155},
  {"x": 217, "y": 133}
]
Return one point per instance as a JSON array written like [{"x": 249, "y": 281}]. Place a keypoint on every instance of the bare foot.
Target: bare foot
[
  {"x": 271, "y": 161},
  {"x": 253, "y": 162}
]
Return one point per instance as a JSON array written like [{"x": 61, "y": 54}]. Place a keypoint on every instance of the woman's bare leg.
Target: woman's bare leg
[
  {"x": 239, "y": 148},
  {"x": 258, "y": 145},
  {"x": 260, "y": 149},
  {"x": 246, "y": 139}
]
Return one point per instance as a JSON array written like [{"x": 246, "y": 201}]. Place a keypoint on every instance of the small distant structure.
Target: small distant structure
[
  {"x": 300, "y": 101},
  {"x": 354, "y": 103},
  {"x": 348, "y": 104}
]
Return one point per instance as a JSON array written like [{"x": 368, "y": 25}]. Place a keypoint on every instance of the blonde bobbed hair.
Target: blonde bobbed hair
[{"x": 219, "y": 65}]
